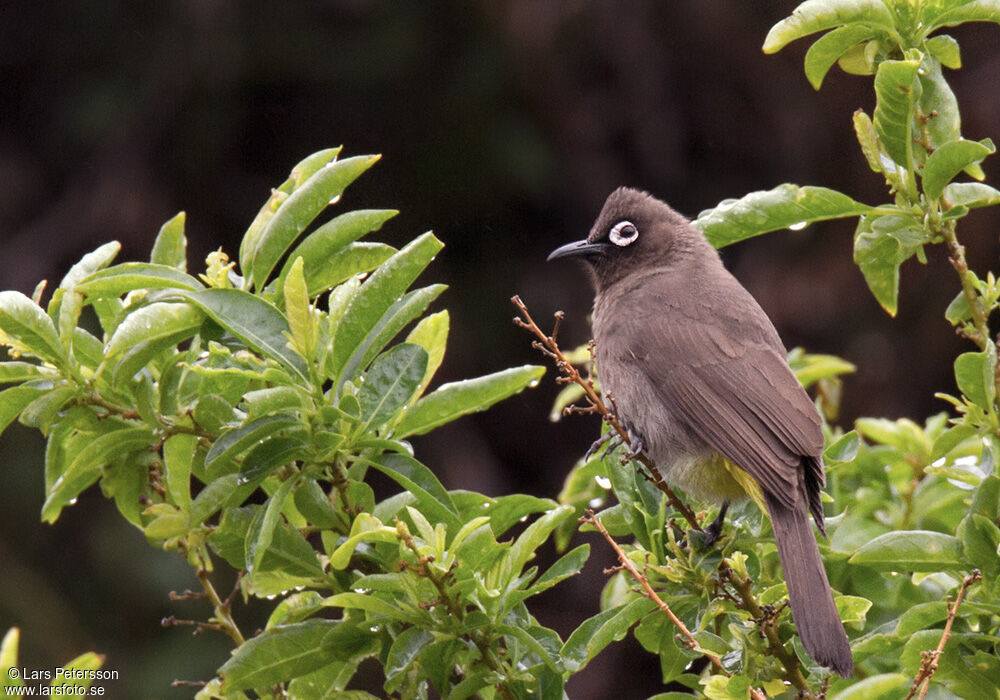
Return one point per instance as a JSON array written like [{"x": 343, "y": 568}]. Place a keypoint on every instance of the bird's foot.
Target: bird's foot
[
  {"x": 609, "y": 436},
  {"x": 637, "y": 445},
  {"x": 714, "y": 530}
]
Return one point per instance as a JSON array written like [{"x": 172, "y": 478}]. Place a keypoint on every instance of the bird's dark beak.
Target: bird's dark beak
[{"x": 575, "y": 248}]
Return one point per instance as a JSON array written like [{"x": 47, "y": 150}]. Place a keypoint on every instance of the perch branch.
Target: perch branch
[{"x": 548, "y": 345}]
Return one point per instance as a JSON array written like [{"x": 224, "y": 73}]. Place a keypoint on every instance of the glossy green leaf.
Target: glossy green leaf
[
  {"x": 354, "y": 260},
  {"x": 396, "y": 317},
  {"x": 884, "y": 685},
  {"x": 296, "y": 212},
  {"x": 365, "y": 528},
  {"x": 301, "y": 319},
  {"x": 453, "y": 400},
  {"x": 945, "y": 49},
  {"x": 404, "y": 651},
  {"x": 378, "y": 293},
  {"x": 314, "y": 504},
  {"x": 949, "y": 160},
  {"x": 980, "y": 541},
  {"x": 24, "y": 325},
  {"x": 431, "y": 333},
  {"x": 567, "y": 565},
  {"x": 786, "y": 206},
  {"x": 938, "y": 104},
  {"x": 251, "y": 319},
  {"x": 178, "y": 455},
  {"x": 275, "y": 399},
  {"x": 591, "y": 637},
  {"x": 898, "y": 91},
  {"x": 827, "y": 49},
  {"x": 323, "y": 250},
  {"x": 844, "y": 448},
  {"x": 261, "y": 530},
  {"x": 506, "y": 511},
  {"x": 126, "y": 277},
  {"x": 816, "y": 15},
  {"x": 280, "y": 654},
  {"x": 523, "y": 548},
  {"x": 76, "y": 674},
  {"x": 86, "y": 466},
  {"x": 974, "y": 374},
  {"x": 41, "y": 412},
  {"x": 809, "y": 368},
  {"x": 170, "y": 246},
  {"x": 971, "y": 195},
  {"x": 878, "y": 255},
  {"x": 390, "y": 383},
  {"x": 911, "y": 550},
  {"x": 14, "y": 399},
  {"x": 951, "y": 14},
  {"x": 271, "y": 454},
  {"x": 147, "y": 332},
  {"x": 369, "y": 603},
  {"x": 13, "y": 371},
  {"x": 232, "y": 444},
  {"x": 434, "y": 501},
  {"x": 98, "y": 259}
]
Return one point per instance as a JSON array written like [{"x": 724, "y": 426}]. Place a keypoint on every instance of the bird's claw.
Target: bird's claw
[
  {"x": 610, "y": 435},
  {"x": 637, "y": 445}
]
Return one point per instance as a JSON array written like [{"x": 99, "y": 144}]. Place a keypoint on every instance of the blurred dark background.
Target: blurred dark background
[{"x": 503, "y": 125}]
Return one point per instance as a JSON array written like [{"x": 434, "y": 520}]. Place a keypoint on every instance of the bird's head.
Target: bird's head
[{"x": 634, "y": 232}]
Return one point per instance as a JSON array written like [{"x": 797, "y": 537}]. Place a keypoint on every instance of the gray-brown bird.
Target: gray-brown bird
[{"x": 700, "y": 379}]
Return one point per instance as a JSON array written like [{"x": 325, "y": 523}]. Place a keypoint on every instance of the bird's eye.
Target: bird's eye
[{"x": 623, "y": 233}]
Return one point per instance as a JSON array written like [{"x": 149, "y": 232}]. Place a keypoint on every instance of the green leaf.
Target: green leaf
[
  {"x": 786, "y": 206},
  {"x": 24, "y": 325},
  {"x": 975, "y": 378},
  {"x": 87, "y": 464},
  {"x": 41, "y": 412},
  {"x": 506, "y": 511},
  {"x": 980, "y": 540},
  {"x": 878, "y": 255},
  {"x": 75, "y": 673},
  {"x": 325, "y": 250},
  {"x": 170, "y": 246},
  {"x": 567, "y": 565},
  {"x": 126, "y": 277},
  {"x": 884, "y": 685},
  {"x": 434, "y": 501},
  {"x": 272, "y": 453},
  {"x": 432, "y": 335},
  {"x": 867, "y": 137},
  {"x": 971, "y": 195},
  {"x": 949, "y": 160},
  {"x": 233, "y": 443},
  {"x": 251, "y": 319},
  {"x": 825, "y": 51},
  {"x": 16, "y": 398},
  {"x": 945, "y": 49},
  {"x": 369, "y": 603},
  {"x": 809, "y": 368},
  {"x": 261, "y": 530},
  {"x": 533, "y": 645},
  {"x": 95, "y": 260},
  {"x": 911, "y": 550},
  {"x": 298, "y": 211},
  {"x": 365, "y": 528},
  {"x": 312, "y": 501},
  {"x": 591, "y": 637},
  {"x": 898, "y": 91},
  {"x": 301, "y": 319},
  {"x": 523, "y": 548},
  {"x": 300, "y": 174},
  {"x": 8, "y": 659},
  {"x": 12, "y": 371},
  {"x": 453, "y": 400},
  {"x": 396, "y": 317},
  {"x": 844, "y": 448},
  {"x": 147, "y": 332},
  {"x": 288, "y": 651},
  {"x": 951, "y": 14},
  {"x": 354, "y": 260},
  {"x": 938, "y": 104},
  {"x": 816, "y": 15},
  {"x": 390, "y": 383},
  {"x": 378, "y": 293},
  {"x": 403, "y": 652}
]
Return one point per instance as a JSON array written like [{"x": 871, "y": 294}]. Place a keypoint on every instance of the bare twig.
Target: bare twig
[
  {"x": 929, "y": 663},
  {"x": 626, "y": 564},
  {"x": 548, "y": 345},
  {"x": 223, "y": 613}
]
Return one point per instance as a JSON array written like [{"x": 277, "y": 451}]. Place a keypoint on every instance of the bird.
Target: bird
[{"x": 701, "y": 383}]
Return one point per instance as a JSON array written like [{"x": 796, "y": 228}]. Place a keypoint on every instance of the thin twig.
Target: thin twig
[
  {"x": 647, "y": 590},
  {"x": 223, "y": 613},
  {"x": 548, "y": 345},
  {"x": 930, "y": 659}
]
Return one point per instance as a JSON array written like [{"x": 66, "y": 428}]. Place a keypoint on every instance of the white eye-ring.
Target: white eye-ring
[{"x": 623, "y": 233}]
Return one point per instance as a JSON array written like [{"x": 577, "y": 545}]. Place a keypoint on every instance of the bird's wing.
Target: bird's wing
[{"x": 726, "y": 374}]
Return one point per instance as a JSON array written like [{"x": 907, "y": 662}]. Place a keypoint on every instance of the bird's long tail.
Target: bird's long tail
[{"x": 815, "y": 615}]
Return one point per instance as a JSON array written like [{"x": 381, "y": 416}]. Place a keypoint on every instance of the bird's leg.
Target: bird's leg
[
  {"x": 637, "y": 445},
  {"x": 613, "y": 444},
  {"x": 714, "y": 530},
  {"x": 610, "y": 435}
]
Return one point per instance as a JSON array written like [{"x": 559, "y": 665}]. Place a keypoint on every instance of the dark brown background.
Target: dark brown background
[{"x": 503, "y": 125}]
